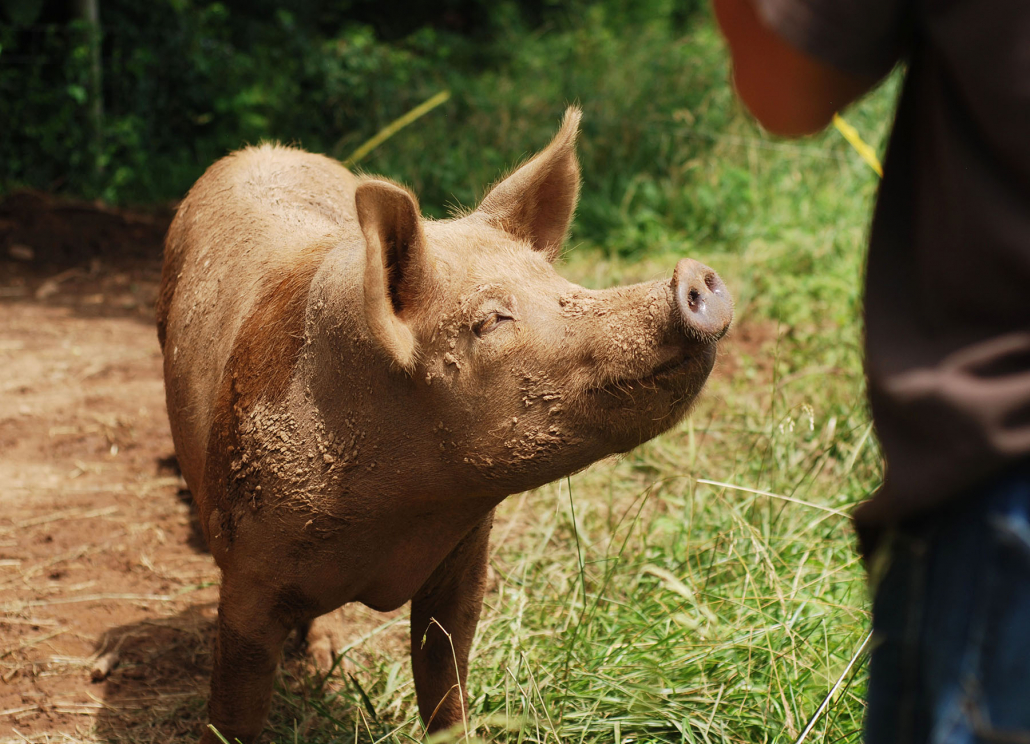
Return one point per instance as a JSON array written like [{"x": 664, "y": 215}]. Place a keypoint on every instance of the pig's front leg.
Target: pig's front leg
[
  {"x": 453, "y": 597},
  {"x": 247, "y": 648}
]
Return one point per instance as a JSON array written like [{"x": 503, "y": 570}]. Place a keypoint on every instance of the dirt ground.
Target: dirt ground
[{"x": 100, "y": 557}]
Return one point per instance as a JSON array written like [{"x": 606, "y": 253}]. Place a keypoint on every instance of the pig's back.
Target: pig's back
[{"x": 254, "y": 218}]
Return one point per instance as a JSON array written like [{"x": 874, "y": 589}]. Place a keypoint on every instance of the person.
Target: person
[{"x": 947, "y": 336}]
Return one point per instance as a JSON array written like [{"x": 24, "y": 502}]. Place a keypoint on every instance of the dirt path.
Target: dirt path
[{"x": 98, "y": 551}]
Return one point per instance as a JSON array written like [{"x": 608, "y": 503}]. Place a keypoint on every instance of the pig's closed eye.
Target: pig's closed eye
[{"x": 490, "y": 323}]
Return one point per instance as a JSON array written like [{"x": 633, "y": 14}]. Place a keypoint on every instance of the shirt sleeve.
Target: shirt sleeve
[{"x": 861, "y": 37}]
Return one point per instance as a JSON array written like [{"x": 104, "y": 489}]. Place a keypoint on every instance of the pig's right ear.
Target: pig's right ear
[
  {"x": 394, "y": 259},
  {"x": 536, "y": 202}
]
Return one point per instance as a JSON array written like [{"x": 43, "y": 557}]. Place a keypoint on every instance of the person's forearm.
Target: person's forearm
[{"x": 790, "y": 93}]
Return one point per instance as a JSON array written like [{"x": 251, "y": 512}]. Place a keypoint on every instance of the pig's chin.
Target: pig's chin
[
  {"x": 681, "y": 373},
  {"x": 640, "y": 408},
  {"x": 692, "y": 367}
]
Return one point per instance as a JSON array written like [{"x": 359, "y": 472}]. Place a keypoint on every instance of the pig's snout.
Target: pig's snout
[{"x": 704, "y": 302}]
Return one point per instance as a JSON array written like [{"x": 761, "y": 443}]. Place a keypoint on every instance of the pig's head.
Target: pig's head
[{"x": 523, "y": 376}]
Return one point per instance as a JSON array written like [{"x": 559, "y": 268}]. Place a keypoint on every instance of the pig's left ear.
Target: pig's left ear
[
  {"x": 395, "y": 259},
  {"x": 536, "y": 202}
]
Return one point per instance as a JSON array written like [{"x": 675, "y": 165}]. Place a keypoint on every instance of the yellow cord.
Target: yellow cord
[
  {"x": 395, "y": 126},
  {"x": 861, "y": 146}
]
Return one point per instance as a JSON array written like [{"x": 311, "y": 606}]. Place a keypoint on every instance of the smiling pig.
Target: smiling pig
[{"x": 353, "y": 388}]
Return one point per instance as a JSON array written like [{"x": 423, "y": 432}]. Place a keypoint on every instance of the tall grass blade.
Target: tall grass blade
[
  {"x": 833, "y": 690},
  {"x": 791, "y": 499},
  {"x": 850, "y": 462}
]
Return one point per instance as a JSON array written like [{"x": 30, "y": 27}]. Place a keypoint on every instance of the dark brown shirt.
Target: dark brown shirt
[{"x": 947, "y": 302}]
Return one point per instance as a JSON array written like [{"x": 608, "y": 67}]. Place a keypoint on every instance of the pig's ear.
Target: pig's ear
[
  {"x": 536, "y": 202},
  {"x": 394, "y": 259}
]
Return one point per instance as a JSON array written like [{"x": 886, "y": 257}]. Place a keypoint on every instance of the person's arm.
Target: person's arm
[{"x": 790, "y": 93}]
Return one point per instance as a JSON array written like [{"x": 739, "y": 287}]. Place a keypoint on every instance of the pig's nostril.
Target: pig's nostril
[{"x": 704, "y": 303}]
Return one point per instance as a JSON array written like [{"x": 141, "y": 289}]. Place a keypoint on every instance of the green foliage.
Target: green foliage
[
  {"x": 187, "y": 81},
  {"x": 638, "y": 150},
  {"x": 44, "y": 70},
  {"x": 22, "y": 12}
]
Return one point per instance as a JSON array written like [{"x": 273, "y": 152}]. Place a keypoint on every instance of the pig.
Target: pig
[{"x": 353, "y": 388}]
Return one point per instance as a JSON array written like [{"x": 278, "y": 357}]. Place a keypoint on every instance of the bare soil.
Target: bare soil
[{"x": 100, "y": 555}]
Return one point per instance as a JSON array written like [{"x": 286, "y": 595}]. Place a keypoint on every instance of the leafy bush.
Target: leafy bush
[
  {"x": 187, "y": 81},
  {"x": 43, "y": 93}
]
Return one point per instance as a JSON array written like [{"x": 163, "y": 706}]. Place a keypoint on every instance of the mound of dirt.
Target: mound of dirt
[{"x": 62, "y": 232}]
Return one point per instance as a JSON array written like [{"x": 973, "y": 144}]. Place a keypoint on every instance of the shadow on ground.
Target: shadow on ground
[{"x": 158, "y": 690}]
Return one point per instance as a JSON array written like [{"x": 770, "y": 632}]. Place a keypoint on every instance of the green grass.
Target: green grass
[{"x": 634, "y": 602}]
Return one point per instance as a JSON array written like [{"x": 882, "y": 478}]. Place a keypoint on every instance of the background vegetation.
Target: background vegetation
[{"x": 635, "y": 601}]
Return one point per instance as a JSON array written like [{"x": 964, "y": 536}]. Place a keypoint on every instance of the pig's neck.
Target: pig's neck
[
  {"x": 374, "y": 487},
  {"x": 382, "y": 518}
]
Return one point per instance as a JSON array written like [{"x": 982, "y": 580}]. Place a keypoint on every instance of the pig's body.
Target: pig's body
[{"x": 353, "y": 389}]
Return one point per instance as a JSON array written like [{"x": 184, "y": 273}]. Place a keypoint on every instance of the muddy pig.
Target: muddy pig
[{"x": 353, "y": 388}]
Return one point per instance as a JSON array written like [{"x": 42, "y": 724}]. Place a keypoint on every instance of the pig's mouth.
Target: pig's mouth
[{"x": 691, "y": 366}]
